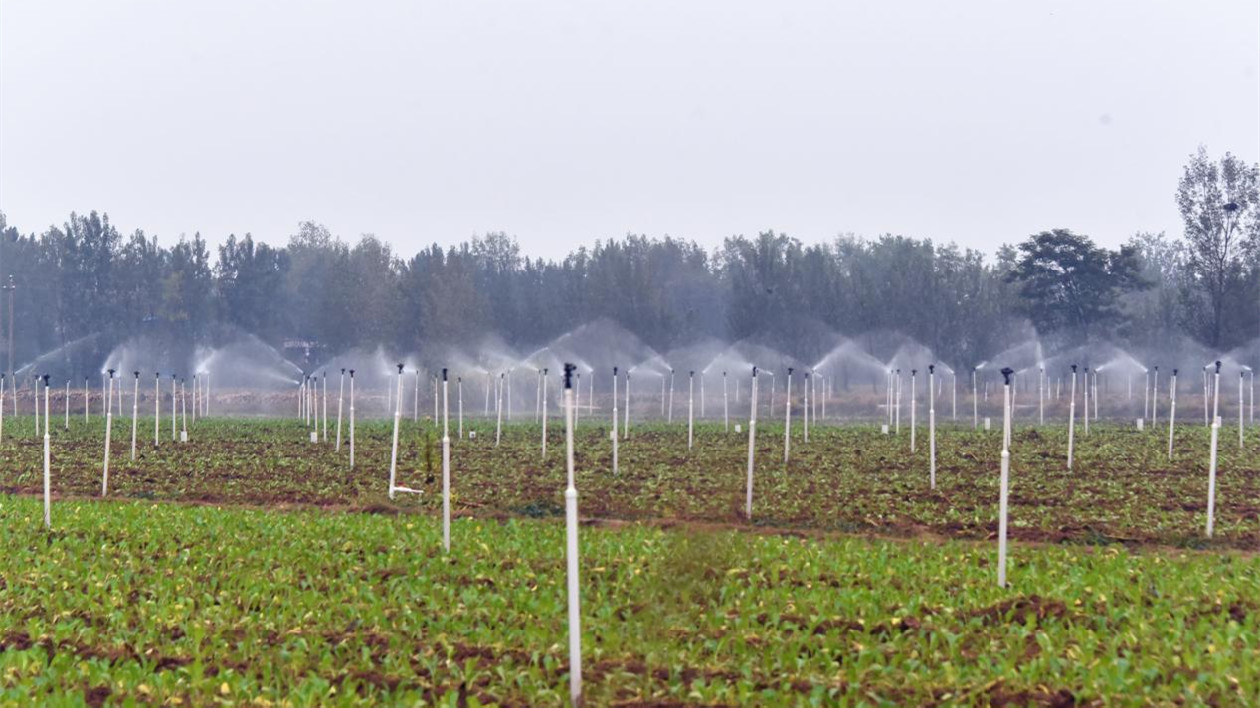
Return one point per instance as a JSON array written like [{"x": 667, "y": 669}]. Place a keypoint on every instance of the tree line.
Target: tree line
[{"x": 85, "y": 279}]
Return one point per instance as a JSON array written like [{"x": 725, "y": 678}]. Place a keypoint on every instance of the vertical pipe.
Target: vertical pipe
[
  {"x": 914, "y": 373},
  {"x": 352, "y": 419},
  {"x": 157, "y": 407},
  {"x": 1216, "y": 427},
  {"x": 109, "y": 424},
  {"x": 787, "y": 416},
  {"x": 752, "y": 444},
  {"x": 626, "y": 414},
  {"x": 932, "y": 426},
  {"x": 135, "y": 413},
  {"x": 691, "y": 390},
  {"x": 340, "y": 393},
  {"x": 393, "y": 449},
  {"x": 1072, "y": 419},
  {"x": 571, "y": 551},
  {"x": 1004, "y": 484},
  {"x": 47, "y": 459},
  {"x": 325, "y": 399},
  {"x": 498, "y": 407},
  {"x": 1172, "y": 411},
  {"x": 446, "y": 464},
  {"x": 613, "y": 433},
  {"x": 726, "y": 405}
]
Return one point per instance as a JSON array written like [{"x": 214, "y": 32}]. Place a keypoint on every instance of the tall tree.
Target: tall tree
[
  {"x": 1218, "y": 205},
  {"x": 1069, "y": 286}
]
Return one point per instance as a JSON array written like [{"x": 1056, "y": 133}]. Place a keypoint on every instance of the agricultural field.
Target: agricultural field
[
  {"x": 1123, "y": 489},
  {"x": 252, "y": 567},
  {"x": 145, "y": 602}
]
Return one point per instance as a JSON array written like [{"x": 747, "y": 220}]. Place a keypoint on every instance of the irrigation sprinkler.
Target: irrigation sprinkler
[
  {"x": 1072, "y": 419},
  {"x": 897, "y": 402},
  {"x": 1146, "y": 394},
  {"x": 701, "y": 393},
  {"x": 173, "y": 407},
  {"x": 109, "y": 424},
  {"x": 351, "y": 419},
  {"x": 1086, "y": 393},
  {"x": 157, "y": 407},
  {"x": 787, "y": 415},
  {"x": 498, "y": 408},
  {"x": 67, "y": 404},
  {"x": 537, "y": 398},
  {"x": 571, "y": 548},
  {"x": 1241, "y": 376},
  {"x": 340, "y": 393},
  {"x": 1216, "y": 427},
  {"x": 1096, "y": 396},
  {"x": 325, "y": 397},
  {"x": 393, "y": 453},
  {"x": 752, "y": 443},
  {"x": 805, "y": 411},
  {"x": 1041, "y": 396},
  {"x": 975, "y": 401},
  {"x": 691, "y": 390},
  {"x": 669, "y": 415},
  {"x": 1206, "y": 396},
  {"x": 626, "y": 422},
  {"x": 446, "y": 463},
  {"x": 1172, "y": 411},
  {"x": 1154, "y": 398},
  {"x": 613, "y": 433},
  {"x": 726, "y": 405},
  {"x": 914, "y": 373},
  {"x": 459, "y": 393},
  {"x": 47, "y": 461},
  {"x": 932, "y": 426},
  {"x": 543, "y": 385},
  {"x": 135, "y": 413},
  {"x": 1005, "y": 483},
  {"x": 183, "y": 410}
]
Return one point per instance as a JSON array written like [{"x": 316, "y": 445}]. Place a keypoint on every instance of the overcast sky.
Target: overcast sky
[{"x": 563, "y": 122}]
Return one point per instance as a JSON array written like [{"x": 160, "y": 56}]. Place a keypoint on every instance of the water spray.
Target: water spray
[
  {"x": 571, "y": 548},
  {"x": 109, "y": 425},
  {"x": 1005, "y": 483}
]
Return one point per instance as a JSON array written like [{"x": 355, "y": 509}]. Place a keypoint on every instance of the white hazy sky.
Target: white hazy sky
[{"x": 563, "y": 122}]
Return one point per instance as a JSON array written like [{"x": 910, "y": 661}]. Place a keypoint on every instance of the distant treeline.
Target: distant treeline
[{"x": 85, "y": 277}]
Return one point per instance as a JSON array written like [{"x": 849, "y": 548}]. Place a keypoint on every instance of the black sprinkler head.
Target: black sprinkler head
[
  {"x": 568, "y": 374},
  {"x": 754, "y": 372},
  {"x": 111, "y": 373},
  {"x": 137, "y": 373},
  {"x": 1074, "y": 368},
  {"x": 352, "y": 373},
  {"x": 400, "y": 368},
  {"x": 1174, "y": 372},
  {"x": 443, "y": 374},
  {"x": 931, "y": 368},
  {"x": 1006, "y": 374},
  {"x": 1218, "y": 367},
  {"x": 614, "y": 371}
]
